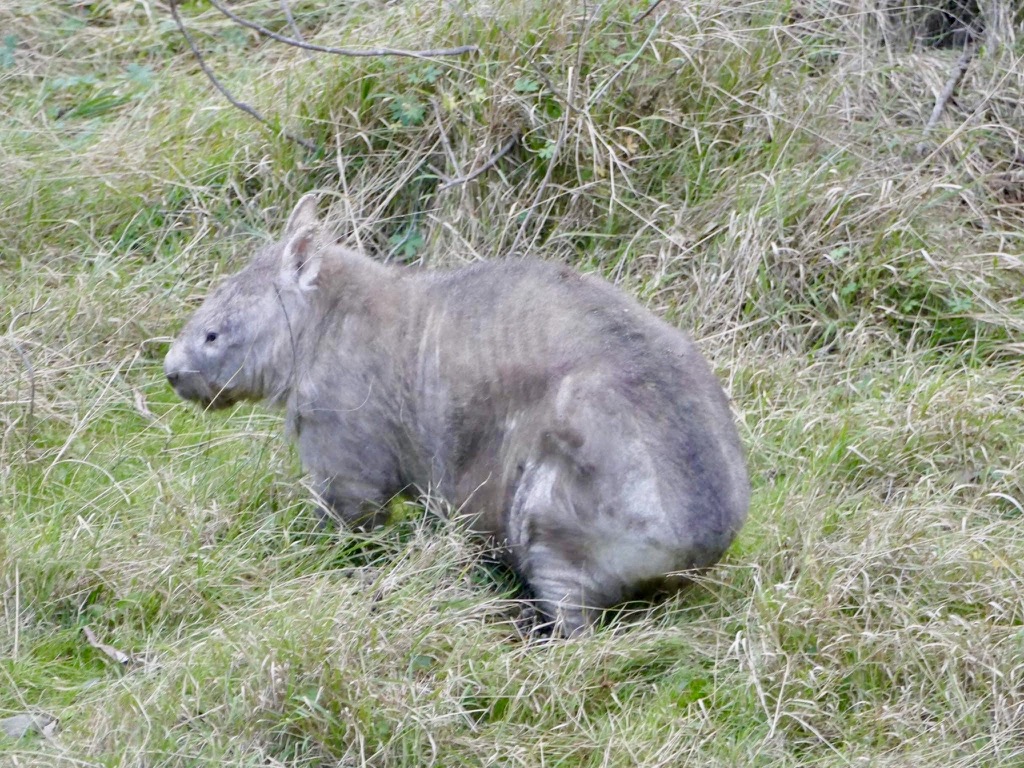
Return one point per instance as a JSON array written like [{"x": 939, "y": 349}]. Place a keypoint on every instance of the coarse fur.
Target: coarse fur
[{"x": 581, "y": 434}]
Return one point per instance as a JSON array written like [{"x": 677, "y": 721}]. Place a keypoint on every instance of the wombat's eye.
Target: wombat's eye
[{"x": 211, "y": 337}]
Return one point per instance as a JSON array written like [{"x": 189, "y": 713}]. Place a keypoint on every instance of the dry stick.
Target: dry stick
[
  {"x": 923, "y": 147},
  {"x": 444, "y": 136},
  {"x": 648, "y": 12},
  {"x": 951, "y": 85},
  {"x": 287, "y": 10},
  {"x": 462, "y": 49},
  {"x": 224, "y": 91},
  {"x": 945, "y": 94},
  {"x": 483, "y": 168}
]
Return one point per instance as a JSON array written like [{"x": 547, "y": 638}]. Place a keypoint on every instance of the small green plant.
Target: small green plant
[{"x": 408, "y": 110}]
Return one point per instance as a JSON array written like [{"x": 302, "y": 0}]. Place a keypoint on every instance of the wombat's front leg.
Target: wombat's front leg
[
  {"x": 357, "y": 505},
  {"x": 561, "y": 601},
  {"x": 552, "y": 552}
]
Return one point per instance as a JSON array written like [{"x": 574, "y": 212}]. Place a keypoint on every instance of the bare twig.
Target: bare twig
[
  {"x": 427, "y": 54},
  {"x": 287, "y": 11},
  {"x": 296, "y": 32},
  {"x": 950, "y": 87},
  {"x": 109, "y": 651},
  {"x": 505, "y": 149},
  {"x": 173, "y": 4},
  {"x": 924, "y": 147},
  {"x": 444, "y": 136},
  {"x": 648, "y": 12}
]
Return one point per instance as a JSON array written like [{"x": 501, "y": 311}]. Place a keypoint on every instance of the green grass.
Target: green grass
[{"x": 749, "y": 170}]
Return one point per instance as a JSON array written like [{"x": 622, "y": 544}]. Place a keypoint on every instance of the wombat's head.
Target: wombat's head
[{"x": 239, "y": 345}]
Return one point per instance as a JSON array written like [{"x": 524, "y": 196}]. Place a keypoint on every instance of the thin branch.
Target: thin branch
[
  {"x": 951, "y": 85},
  {"x": 428, "y": 54},
  {"x": 506, "y": 148},
  {"x": 173, "y": 4},
  {"x": 287, "y": 10},
  {"x": 444, "y": 136},
  {"x": 648, "y": 12}
]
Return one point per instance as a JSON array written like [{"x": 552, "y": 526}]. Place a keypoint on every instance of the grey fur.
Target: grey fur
[{"x": 564, "y": 421}]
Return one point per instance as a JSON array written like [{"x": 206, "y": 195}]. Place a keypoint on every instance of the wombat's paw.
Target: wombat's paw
[{"x": 531, "y": 624}]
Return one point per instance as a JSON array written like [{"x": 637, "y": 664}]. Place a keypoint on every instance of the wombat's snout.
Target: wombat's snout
[
  {"x": 188, "y": 386},
  {"x": 171, "y": 370},
  {"x": 178, "y": 382},
  {"x": 175, "y": 371}
]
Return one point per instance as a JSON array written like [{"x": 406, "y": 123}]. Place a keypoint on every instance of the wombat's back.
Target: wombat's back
[
  {"x": 512, "y": 329},
  {"x": 587, "y": 432}
]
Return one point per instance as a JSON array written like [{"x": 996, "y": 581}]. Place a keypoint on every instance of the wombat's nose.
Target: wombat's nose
[{"x": 173, "y": 377}]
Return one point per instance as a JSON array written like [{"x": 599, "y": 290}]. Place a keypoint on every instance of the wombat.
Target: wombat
[{"x": 586, "y": 438}]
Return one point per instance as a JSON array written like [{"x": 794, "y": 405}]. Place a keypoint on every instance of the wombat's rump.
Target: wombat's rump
[{"x": 565, "y": 421}]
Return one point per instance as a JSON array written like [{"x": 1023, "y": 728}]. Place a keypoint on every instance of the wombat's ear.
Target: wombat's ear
[
  {"x": 300, "y": 259},
  {"x": 303, "y": 214}
]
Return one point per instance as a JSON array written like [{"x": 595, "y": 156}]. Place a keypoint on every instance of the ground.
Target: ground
[{"x": 756, "y": 172}]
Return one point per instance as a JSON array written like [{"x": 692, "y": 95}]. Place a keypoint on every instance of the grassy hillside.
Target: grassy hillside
[{"x": 756, "y": 172}]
